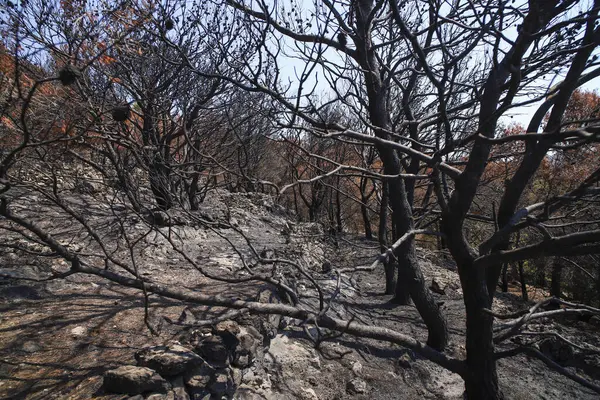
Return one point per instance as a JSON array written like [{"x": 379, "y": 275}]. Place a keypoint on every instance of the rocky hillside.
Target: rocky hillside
[{"x": 81, "y": 337}]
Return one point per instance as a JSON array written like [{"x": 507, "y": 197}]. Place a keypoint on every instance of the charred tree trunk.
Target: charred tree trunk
[
  {"x": 523, "y": 283},
  {"x": 409, "y": 271},
  {"x": 402, "y": 287},
  {"x": 505, "y": 278},
  {"x": 481, "y": 381},
  {"x": 160, "y": 182},
  {"x": 296, "y": 203},
  {"x": 364, "y": 210},
  {"x": 366, "y": 222},
  {"x": 540, "y": 276},
  {"x": 338, "y": 208},
  {"x": 193, "y": 191},
  {"x": 388, "y": 265},
  {"x": 402, "y": 219},
  {"x": 555, "y": 285}
]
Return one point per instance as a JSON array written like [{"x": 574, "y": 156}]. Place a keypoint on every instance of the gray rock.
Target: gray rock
[
  {"x": 357, "y": 368},
  {"x": 231, "y": 327},
  {"x": 79, "y": 331},
  {"x": 237, "y": 375},
  {"x": 133, "y": 380},
  {"x": 198, "y": 379},
  {"x": 326, "y": 267},
  {"x": 222, "y": 384},
  {"x": 178, "y": 390},
  {"x": 31, "y": 347},
  {"x": 19, "y": 292},
  {"x": 356, "y": 386},
  {"x": 161, "y": 396},
  {"x": 405, "y": 360},
  {"x": 159, "y": 218},
  {"x": 246, "y": 351},
  {"x": 308, "y": 394},
  {"x": 557, "y": 350},
  {"x": 86, "y": 187},
  {"x": 214, "y": 350},
  {"x": 168, "y": 360}
]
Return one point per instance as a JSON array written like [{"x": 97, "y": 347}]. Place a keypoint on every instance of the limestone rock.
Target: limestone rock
[
  {"x": 309, "y": 394},
  {"x": 161, "y": 396},
  {"x": 357, "y": 368},
  {"x": 356, "y": 386},
  {"x": 245, "y": 351},
  {"x": 31, "y": 347},
  {"x": 214, "y": 350},
  {"x": 222, "y": 384},
  {"x": 437, "y": 288},
  {"x": 231, "y": 327},
  {"x": 557, "y": 350},
  {"x": 168, "y": 360},
  {"x": 133, "y": 380},
  {"x": 198, "y": 379},
  {"x": 178, "y": 390},
  {"x": 78, "y": 331},
  {"x": 405, "y": 360},
  {"x": 228, "y": 331}
]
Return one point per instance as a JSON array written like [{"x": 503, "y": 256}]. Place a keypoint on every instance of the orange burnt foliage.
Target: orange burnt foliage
[
  {"x": 37, "y": 112},
  {"x": 561, "y": 170}
]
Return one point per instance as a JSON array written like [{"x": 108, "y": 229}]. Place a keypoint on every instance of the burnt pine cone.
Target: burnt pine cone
[
  {"x": 68, "y": 75},
  {"x": 120, "y": 113}
]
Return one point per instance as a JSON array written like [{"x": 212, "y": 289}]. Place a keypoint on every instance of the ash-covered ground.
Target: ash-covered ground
[{"x": 57, "y": 338}]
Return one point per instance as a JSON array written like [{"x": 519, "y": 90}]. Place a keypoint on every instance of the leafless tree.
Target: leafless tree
[
  {"x": 428, "y": 81},
  {"x": 462, "y": 61}
]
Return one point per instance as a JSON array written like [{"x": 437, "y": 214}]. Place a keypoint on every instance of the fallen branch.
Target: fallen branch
[
  {"x": 512, "y": 328},
  {"x": 592, "y": 350},
  {"x": 550, "y": 363},
  {"x": 324, "y": 321}
]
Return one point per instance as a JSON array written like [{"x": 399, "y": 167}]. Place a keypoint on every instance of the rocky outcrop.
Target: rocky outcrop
[
  {"x": 557, "y": 350},
  {"x": 133, "y": 380},
  {"x": 168, "y": 361},
  {"x": 211, "y": 367}
]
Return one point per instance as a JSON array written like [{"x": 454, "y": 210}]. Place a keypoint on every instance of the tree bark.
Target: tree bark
[
  {"x": 193, "y": 191},
  {"x": 364, "y": 209},
  {"x": 505, "y": 278},
  {"x": 388, "y": 265},
  {"x": 160, "y": 185},
  {"x": 523, "y": 283},
  {"x": 481, "y": 381},
  {"x": 555, "y": 285},
  {"x": 338, "y": 209},
  {"x": 402, "y": 219},
  {"x": 409, "y": 271}
]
